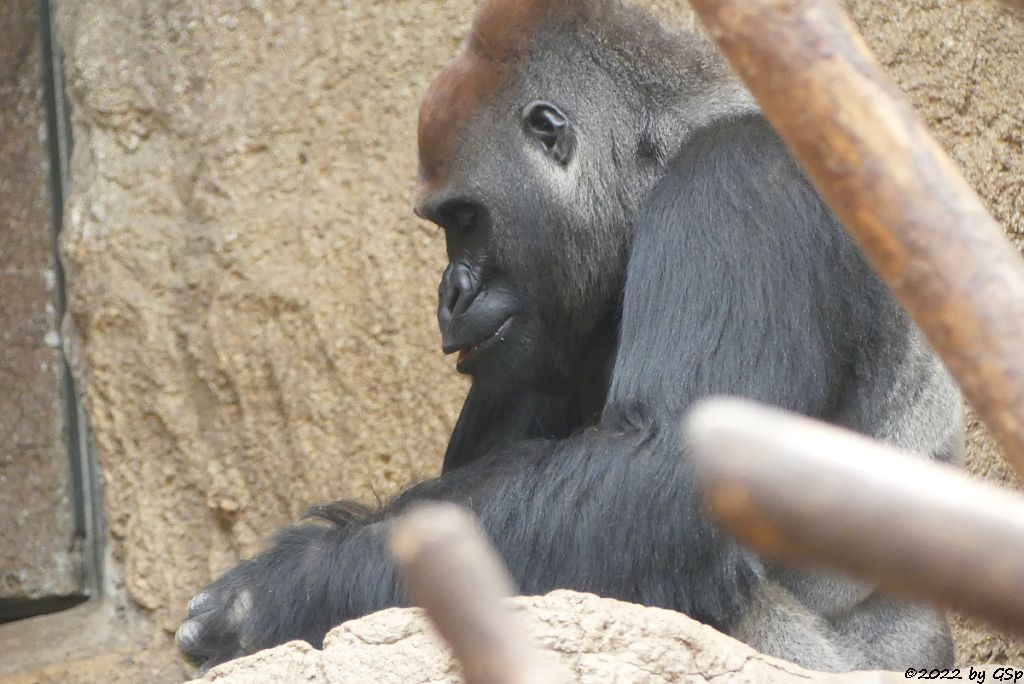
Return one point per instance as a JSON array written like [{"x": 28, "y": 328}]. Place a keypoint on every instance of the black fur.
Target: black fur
[{"x": 613, "y": 509}]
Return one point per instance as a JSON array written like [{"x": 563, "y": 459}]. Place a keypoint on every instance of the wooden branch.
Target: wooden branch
[
  {"x": 808, "y": 493},
  {"x": 921, "y": 226},
  {"x": 452, "y": 572}
]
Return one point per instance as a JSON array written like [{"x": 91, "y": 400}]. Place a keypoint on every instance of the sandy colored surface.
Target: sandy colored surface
[{"x": 252, "y": 296}]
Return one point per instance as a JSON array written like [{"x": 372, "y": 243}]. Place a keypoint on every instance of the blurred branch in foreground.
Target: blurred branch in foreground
[
  {"x": 452, "y": 571},
  {"x": 805, "y": 492}
]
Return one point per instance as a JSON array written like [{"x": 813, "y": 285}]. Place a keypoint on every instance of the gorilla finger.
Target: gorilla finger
[
  {"x": 201, "y": 603},
  {"x": 191, "y": 640},
  {"x": 200, "y": 638},
  {"x": 241, "y": 608}
]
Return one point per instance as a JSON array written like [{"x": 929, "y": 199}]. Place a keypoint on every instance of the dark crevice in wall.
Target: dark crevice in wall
[
  {"x": 85, "y": 489},
  {"x": 17, "y": 610}
]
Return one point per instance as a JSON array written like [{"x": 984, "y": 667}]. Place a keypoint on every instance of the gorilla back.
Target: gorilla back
[{"x": 625, "y": 235}]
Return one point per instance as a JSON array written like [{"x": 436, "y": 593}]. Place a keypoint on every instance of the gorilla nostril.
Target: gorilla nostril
[
  {"x": 465, "y": 291},
  {"x": 458, "y": 288},
  {"x": 456, "y": 215},
  {"x": 465, "y": 218},
  {"x": 449, "y": 298},
  {"x": 448, "y": 293}
]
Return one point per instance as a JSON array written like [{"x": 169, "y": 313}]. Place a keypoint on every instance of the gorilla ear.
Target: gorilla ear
[{"x": 545, "y": 123}]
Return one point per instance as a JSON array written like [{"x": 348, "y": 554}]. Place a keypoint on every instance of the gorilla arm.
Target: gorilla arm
[
  {"x": 611, "y": 510},
  {"x": 778, "y": 306},
  {"x": 740, "y": 282}
]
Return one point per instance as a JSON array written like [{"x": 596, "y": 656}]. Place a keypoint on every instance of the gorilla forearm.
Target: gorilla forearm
[
  {"x": 610, "y": 510},
  {"x": 309, "y": 578},
  {"x": 595, "y": 521}
]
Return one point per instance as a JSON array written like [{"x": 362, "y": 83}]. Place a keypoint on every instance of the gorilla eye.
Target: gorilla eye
[{"x": 547, "y": 124}]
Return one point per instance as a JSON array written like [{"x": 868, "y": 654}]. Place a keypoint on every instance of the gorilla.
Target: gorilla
[{"x": 625, "y": 234}]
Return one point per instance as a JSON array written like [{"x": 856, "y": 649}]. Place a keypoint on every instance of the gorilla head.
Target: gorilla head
[{"x": 538, "y": 145}]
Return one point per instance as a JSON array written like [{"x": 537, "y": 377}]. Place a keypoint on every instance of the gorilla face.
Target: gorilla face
[
  {"x": 491, "y": 311},
  {"x": 518, "y": 179}
]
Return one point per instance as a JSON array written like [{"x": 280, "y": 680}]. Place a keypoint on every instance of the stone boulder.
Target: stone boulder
[{"x": 595, "y": 639}]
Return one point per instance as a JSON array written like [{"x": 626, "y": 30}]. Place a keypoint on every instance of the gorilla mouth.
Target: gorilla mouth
[{"x": 470, "y": 353}]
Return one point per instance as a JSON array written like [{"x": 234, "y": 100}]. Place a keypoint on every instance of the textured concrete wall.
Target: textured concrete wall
[
  {"x": 36, "y": 555},
  {"x": 252, "y": 297}
]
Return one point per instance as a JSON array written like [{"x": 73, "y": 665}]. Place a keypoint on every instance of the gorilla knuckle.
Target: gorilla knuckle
[
  {"x": 200, "y": 603},
  {"x": 241, "y": 608},
  {"x": 191, "y": 639}
]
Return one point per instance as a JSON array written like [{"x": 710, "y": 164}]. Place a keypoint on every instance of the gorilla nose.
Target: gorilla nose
[{"x": 458, "y": 288}]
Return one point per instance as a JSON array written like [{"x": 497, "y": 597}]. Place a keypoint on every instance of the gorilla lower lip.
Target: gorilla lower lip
[{"x": 468, "y": 354}]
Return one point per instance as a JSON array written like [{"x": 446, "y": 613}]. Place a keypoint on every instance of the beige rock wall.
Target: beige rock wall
[{"x": 252, "y": 297}]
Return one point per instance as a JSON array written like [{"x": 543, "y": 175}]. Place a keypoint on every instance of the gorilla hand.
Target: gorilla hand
[
  {"x": 298, "y": 588},
  {"x": 219, "y": 626}
]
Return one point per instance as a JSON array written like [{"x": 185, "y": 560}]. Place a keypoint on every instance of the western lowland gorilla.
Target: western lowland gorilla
[{"x": 625, "y": 235}]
